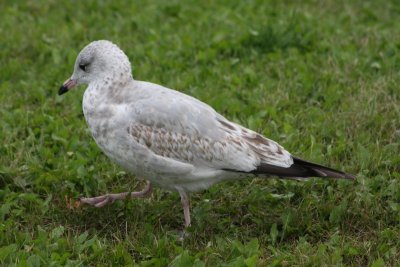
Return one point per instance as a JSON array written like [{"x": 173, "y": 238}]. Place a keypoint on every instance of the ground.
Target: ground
[{"x": 321, "y": 78}]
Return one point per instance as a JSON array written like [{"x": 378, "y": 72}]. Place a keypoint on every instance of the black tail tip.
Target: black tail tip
[{"x": 350, "y": 176}]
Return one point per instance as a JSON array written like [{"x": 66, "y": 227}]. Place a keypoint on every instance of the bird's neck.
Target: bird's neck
[
  {"x": 108, "y": 89},
  {"x": 116, "y": 79}
]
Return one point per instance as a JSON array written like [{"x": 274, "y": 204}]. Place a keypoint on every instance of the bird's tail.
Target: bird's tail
[{"x": 302, "y": 169}]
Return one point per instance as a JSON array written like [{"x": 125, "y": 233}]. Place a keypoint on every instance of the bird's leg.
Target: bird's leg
[
  {"x": 186, "y": 207},
  {"x": 101, "y": 201}
]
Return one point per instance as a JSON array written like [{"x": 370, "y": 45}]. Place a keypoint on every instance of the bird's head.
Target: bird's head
[{"x": 98, "y": 61}]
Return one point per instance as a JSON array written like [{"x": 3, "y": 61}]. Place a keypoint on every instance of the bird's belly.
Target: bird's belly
[
  {"x": 138, "y": 161},
  {"x": 116, "y": 143},
  {"x": 194, "y": 181}
]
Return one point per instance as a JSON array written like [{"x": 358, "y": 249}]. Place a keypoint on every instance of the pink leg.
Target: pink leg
[
  {"x": 186, "y": 207},
  {"x": 101, "y": 201}
]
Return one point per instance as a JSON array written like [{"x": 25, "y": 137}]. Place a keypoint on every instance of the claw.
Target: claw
[{"x": 71, "y": 202}]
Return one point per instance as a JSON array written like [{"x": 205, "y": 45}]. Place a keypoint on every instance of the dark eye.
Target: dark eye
[{"x": 83, "y": 66}]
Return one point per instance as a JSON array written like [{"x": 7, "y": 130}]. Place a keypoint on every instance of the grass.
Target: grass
[{"x": 321, "y": 78}]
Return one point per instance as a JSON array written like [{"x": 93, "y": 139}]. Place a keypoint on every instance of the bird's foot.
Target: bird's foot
[
  {"x": 71, "y": 203},
  {"x": 99, "y": 201}
]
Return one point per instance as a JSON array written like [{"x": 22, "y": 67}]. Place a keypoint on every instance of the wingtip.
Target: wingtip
[
  {"x": 350, "y": 176},
  {"x": 342, "y": 175}
]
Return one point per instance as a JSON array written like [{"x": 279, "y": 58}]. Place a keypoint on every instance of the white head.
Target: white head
[{"x": 98, "y": 61}]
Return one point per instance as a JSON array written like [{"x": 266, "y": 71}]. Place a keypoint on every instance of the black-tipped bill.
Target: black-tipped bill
[
  {"x": 63, "y": 90},
  {"x": 68, "y": 84}
]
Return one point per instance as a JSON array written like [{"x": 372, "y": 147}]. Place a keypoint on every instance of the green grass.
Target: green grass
[{"x": 321, "y": 78}]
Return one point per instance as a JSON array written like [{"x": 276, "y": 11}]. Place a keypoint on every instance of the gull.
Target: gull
[{"x": 168, "y": 138}]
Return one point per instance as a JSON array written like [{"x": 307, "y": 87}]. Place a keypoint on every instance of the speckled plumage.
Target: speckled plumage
[
  {"x": 145, "y": 127},
  {"x": 151, "y": 125},
  {"x": 169, "y": 138}
]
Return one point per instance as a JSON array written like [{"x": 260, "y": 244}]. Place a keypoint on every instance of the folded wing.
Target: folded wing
[{"x": 177, "y": 126}]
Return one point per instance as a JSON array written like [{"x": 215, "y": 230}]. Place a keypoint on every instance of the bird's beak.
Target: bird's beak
[{"x": 68, "y": 84}]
